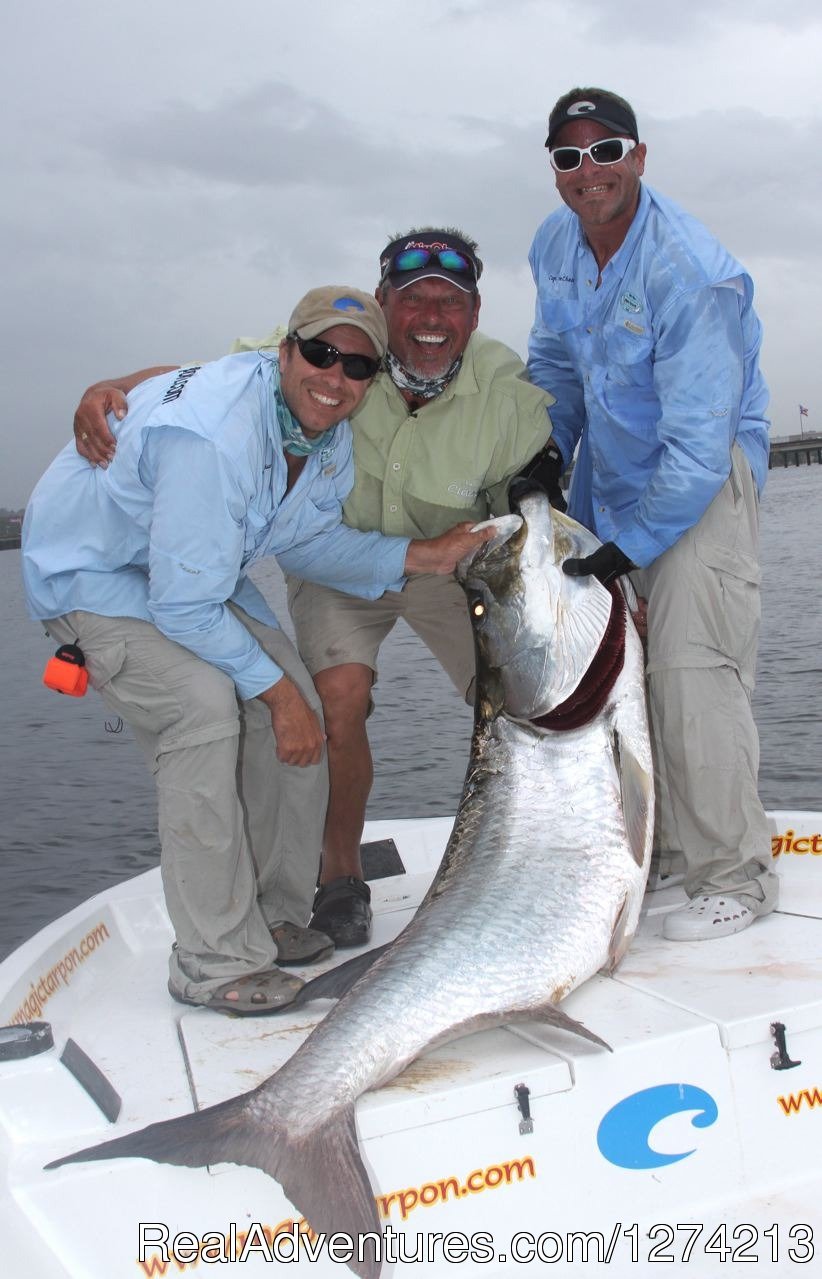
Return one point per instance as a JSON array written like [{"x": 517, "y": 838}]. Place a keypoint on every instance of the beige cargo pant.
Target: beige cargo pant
[
  {"x": 240, "y": 833},
  {"x": 703, "y": 630}
]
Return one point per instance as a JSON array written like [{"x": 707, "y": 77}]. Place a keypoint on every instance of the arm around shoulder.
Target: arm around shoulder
[{"x": 92, "y": 436}]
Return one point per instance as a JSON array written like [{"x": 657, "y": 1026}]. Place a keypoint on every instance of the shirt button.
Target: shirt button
[
  {"x": 395, "y": 466},
  {"x": 393, "y": 508}
]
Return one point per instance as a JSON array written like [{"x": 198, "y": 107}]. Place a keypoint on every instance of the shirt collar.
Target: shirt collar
[{"x": 465, "y": 382}]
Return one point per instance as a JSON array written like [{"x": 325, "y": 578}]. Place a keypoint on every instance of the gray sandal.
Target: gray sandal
[{"x": 251, "y": 996}]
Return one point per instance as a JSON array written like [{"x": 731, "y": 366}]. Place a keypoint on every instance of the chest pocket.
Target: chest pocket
[
  {"x": 559, "y": 315},
  {"x": 629, "y": 357}
]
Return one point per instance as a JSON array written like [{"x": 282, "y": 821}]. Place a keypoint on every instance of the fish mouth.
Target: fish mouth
[{"x": 505, "y": 527}]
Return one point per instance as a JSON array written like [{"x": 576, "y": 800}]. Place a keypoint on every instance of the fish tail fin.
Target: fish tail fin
[
  {"x": 190, "y": 1141},
  {"x": 321, "y": 1172},
  {"x": 324, "y": 1176}
]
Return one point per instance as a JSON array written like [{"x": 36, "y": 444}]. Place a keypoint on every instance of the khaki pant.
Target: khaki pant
[
  {"x": 703, "y": 629},
  {"x": 240, "y": 833},
  {"x": 333, "y": 628}
]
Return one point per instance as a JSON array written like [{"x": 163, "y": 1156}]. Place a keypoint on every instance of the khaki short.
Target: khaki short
[{"x": 333, "y": 628}]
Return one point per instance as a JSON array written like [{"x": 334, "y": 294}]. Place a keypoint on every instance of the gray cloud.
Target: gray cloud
[{"x": 184, "y": 175}]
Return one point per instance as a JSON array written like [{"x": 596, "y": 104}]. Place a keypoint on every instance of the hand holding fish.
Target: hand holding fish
[
  {"x": 606, "y": 563},
  {"x": 442, "y": 554},
  {"x": 299, "y": 736},
  {"x": 546, "y": 469}
]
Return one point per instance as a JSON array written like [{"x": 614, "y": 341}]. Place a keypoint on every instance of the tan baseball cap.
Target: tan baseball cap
[{"x": 335, "y": 304}]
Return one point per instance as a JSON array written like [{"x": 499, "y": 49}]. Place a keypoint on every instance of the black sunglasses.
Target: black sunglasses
[{"x": 322, "y": 355}]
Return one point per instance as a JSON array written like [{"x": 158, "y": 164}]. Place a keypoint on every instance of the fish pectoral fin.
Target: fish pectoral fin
[
  {"x": 337, "y": 981},
  {"x": 637, "y": 789},
  {"x": 321, "y": 1172}
]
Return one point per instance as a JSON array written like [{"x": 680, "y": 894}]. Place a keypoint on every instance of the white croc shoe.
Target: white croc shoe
[{"x": 706, "y": 917}]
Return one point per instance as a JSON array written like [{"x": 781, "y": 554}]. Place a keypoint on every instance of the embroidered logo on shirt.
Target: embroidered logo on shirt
[
  {"x": 463, "y": 490},
  {"x": 561, "y": 279},
  {"x": 631, "y": 303},
  {"x": 179, "y": 384}
]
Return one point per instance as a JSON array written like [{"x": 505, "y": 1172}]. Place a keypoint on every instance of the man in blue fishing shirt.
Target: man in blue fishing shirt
[
  {"x": 645, "y": 332},
  {"x": 143, "y": 567}
]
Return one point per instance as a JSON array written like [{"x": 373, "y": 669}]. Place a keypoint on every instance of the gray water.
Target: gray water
[{"x": 78, "y": 808}]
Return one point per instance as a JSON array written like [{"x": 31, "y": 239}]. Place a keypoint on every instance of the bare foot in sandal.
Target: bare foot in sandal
[{"x": 251, "y": 996}]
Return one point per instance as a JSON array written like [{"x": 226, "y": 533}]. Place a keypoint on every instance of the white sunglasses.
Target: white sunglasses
[{"x": 606, "y": 151}]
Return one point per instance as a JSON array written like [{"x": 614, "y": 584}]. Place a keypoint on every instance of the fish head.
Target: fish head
[{"x": 536, "y": 630}]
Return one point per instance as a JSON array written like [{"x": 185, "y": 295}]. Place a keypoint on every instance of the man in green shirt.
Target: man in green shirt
[{"x": 443, "y": 429}]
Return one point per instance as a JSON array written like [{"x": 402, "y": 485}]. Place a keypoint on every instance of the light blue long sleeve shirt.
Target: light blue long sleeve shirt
[
  {"x": 196, "y": 493},
  {"x": 657, "y": 371}
]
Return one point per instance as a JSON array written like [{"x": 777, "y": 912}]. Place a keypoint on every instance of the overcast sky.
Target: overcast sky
[{"x": 178, "y": 172}]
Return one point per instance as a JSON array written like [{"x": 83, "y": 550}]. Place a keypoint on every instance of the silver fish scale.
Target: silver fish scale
[
  {"x": 540, "y": 886},
  {"x": 541, "y": 865}
]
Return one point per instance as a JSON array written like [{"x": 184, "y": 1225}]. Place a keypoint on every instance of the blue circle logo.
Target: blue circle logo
[{"x": 624, "y": 1134}]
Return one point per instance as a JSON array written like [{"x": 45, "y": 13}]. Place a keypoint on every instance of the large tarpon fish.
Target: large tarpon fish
[{"x": 540, "y": 885}]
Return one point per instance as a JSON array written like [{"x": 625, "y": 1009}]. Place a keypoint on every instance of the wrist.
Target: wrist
[{"x": 417, "y": 556}]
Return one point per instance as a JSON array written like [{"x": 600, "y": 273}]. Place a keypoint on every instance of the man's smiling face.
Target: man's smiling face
[
  {"x": 429, "y": 324},
  {"x": 599, "y": 193},
  {"x": 320, "y": 398}
]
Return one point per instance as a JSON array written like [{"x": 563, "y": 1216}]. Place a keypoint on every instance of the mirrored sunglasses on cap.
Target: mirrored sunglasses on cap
[
  {"x": 415, "y": 259},
  {"x": 606, "y": 151},
  {"x": 322, "y": 355}
]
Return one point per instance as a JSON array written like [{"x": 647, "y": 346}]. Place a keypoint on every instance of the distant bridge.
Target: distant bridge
[{"x": 796, "y": 450}]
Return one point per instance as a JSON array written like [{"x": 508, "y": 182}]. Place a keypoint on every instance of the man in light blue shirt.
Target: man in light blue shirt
[
  {"x": 646, "y": 334},
  {"x": 143, "y": 567}
]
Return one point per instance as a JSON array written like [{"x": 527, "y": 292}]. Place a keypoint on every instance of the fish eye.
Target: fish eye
[{"x": 478, "y": 609}]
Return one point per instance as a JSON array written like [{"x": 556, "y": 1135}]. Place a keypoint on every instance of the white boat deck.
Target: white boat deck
[{"x": 684, "y": 1136}]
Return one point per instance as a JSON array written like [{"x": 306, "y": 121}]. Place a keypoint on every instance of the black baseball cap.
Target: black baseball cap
[
  {"x": 593, "y": 106},
  {"x": 430, "y": 253}
]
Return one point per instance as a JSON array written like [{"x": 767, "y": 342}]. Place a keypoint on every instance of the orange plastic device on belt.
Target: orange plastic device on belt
[{"x": 66, "y": 671}]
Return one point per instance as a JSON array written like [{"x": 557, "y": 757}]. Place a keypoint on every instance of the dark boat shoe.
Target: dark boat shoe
[
  {"x": 296, "y": 945},
  {"x": 342, "y": 910}
]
